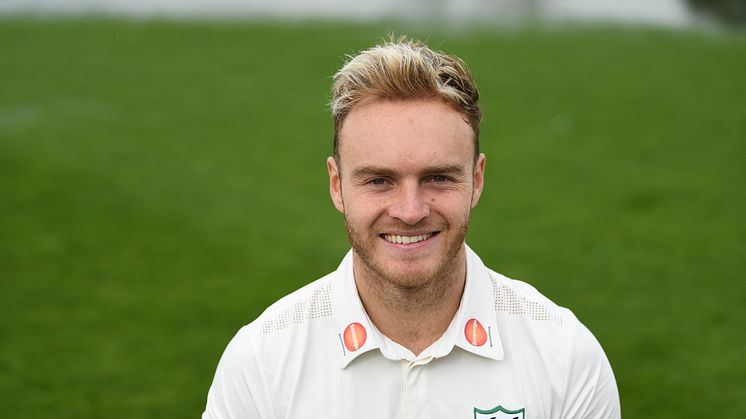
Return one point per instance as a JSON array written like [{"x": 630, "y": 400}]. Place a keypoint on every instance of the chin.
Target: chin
[{"x": 408, "y": 275}]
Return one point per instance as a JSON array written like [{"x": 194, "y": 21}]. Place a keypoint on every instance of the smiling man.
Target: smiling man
[{"x": 411, "y": 324}]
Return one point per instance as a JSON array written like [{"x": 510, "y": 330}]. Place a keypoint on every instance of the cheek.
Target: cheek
[
  {"x": 456, "y": 211},
  {"x": 451, "y": 202},
  {"x": 363, "y": 209}
]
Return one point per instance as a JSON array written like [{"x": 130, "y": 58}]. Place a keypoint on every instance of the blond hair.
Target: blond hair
[{"x": 404, "y": 69}]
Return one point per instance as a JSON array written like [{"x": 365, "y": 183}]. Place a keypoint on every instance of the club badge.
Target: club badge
[{"x": 499, "y": 413}]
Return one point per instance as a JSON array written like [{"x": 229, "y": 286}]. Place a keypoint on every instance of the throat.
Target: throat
[{"x": 414, "y": 317}]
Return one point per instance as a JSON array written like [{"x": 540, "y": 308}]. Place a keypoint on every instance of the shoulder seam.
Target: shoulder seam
[
  {"x": 317, "y": 305},
  {"x": 507, "y": 300}
]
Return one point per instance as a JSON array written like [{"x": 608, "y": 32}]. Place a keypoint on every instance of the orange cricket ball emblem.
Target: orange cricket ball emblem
[
  {"x": 475, "y": 333},
  {"x": 354, "y": 336}
]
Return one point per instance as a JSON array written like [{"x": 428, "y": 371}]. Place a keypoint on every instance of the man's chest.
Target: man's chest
[{"x": 466, "y": 387}]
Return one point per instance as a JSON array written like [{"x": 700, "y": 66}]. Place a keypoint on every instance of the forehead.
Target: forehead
[{"x": 405, "y": 132}]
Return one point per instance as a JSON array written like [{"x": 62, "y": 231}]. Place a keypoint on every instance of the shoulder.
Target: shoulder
[
  {"x": 313, "y": 301},
  {"x": 524, "y": 302},
  {"x": 547, "y": 337},
  {"x": 526, "y": 312},
  {"x": 260, "y": 363},
  {"x": 300, "y": 323}
]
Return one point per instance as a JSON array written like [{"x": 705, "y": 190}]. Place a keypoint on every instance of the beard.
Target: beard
[{"x": 412, "y": 274}]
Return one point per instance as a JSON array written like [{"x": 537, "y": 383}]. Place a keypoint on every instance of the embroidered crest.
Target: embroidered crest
[{"x": 499, "y": 413}]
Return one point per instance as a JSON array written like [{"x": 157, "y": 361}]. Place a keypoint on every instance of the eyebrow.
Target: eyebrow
[{"x": 450, "y": 169}]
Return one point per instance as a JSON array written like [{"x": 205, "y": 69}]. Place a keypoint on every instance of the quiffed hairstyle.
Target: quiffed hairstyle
[{"x": 404, "y": 69}]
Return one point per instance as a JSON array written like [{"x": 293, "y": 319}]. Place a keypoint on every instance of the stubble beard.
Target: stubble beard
[{"x": 409, "y": 282}]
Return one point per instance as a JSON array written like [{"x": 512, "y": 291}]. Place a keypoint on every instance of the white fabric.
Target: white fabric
[{"x": 537, "y": 359}]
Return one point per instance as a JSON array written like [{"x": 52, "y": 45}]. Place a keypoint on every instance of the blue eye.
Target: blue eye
[
  {"x": 378, "y": 181},
  {"x": 439, "y": 178}
]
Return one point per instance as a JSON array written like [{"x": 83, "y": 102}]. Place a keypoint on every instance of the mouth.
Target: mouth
[{"x": 407, "y": 239}]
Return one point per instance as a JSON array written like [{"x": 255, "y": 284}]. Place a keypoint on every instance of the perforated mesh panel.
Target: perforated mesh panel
[
  {"x": 319, "y": 305},
  {"x": 508, "y": 301}
]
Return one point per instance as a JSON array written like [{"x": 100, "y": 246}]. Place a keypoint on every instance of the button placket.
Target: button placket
[{"x": 414, "y": 389}]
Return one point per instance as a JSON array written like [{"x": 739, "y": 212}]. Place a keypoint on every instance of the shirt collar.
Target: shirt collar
[
  {"x": 355, "y": 331},
  {"x": 473, "y": 328}
]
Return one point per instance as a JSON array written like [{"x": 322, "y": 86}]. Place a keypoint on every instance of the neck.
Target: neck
[{"x": 413, "y": 317}]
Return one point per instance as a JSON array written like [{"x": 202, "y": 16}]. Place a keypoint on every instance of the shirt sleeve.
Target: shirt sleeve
[
  {"x": 238, "y": 390},
  {"x": 590, "y": 388}
]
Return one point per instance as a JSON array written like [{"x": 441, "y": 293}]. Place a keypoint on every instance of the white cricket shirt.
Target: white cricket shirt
[{"x": 509, "y": 352}]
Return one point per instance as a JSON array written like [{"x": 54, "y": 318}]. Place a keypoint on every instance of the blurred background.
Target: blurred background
[{"x": 162, "y": 181}]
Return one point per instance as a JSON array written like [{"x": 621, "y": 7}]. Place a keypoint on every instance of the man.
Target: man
[{"x": 411, "y": 324}]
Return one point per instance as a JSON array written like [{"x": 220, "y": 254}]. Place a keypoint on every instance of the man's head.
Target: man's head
[
  {"x": 404, "y": 69},
  {"x": 406, "y": 171}
]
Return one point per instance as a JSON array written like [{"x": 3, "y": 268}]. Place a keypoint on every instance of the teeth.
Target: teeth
[{"x": 406, "y": 239}]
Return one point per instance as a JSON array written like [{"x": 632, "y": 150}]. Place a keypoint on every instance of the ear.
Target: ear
[
  {"x": 335, "y": 184},
  {"x": 478, "y": 180}
]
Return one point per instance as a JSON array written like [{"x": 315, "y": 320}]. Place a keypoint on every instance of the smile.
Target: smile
[{"x": 397, "y": 239}]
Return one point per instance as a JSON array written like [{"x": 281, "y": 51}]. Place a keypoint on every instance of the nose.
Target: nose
[{"x": 409, "y": 204}]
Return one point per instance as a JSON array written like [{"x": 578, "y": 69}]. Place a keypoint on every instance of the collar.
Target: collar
[{"x": 473, "y": 328}]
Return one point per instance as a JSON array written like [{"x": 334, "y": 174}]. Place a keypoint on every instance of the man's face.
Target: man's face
[{"x": 406, "y": 183}]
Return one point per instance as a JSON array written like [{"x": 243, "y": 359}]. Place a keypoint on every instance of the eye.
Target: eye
[
  {"x": 377, "y": 181},
  {"x": 440, "y": 178}
]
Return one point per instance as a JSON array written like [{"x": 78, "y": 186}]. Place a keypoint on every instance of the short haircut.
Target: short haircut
[{"x": 404, "y": 69}]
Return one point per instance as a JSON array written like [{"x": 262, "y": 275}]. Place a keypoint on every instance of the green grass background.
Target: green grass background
[{"x": 162, "y": 182}]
